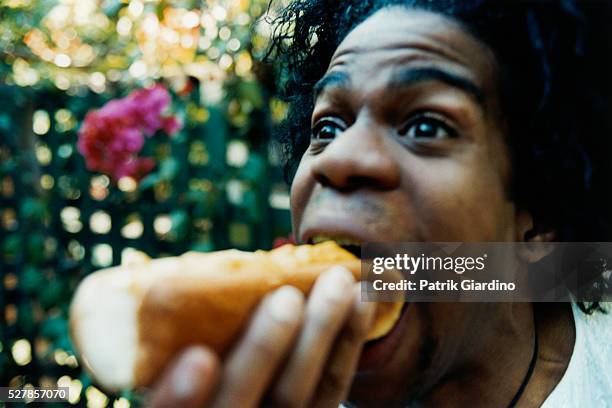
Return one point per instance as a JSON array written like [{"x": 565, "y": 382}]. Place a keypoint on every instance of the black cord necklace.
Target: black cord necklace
[{"x": 532, "y": 364}]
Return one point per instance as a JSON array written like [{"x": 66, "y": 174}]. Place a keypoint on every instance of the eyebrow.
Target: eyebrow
[
  {"x": 404, "y": 78},
  {"x": 334, "y": 79},
  {"x": 412, "y": 76}
]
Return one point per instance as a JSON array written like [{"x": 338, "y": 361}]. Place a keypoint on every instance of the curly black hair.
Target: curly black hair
[{"x": 555, "y": 92}]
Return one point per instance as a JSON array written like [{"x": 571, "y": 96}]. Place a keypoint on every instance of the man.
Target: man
[{"x": 431, "y": 121}]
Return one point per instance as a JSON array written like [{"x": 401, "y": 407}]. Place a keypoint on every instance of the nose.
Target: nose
[{"x": 357, "y": 158}]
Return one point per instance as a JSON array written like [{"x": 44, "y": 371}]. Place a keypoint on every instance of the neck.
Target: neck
[
  {"x": 494, "y": 373},
  {"x": 557, "y": 336}
]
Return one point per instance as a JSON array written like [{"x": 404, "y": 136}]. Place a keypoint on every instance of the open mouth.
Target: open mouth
[
  {"x": 376, "y": 351},
  {"x": 349, "y": 244},
  {"x": 379, "y": 352}
]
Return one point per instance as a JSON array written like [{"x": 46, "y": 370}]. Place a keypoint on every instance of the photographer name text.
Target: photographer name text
[{"x": 448, "y": 285}]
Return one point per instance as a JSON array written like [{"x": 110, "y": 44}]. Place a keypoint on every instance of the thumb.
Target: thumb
[{"x": 190, "y": 381}]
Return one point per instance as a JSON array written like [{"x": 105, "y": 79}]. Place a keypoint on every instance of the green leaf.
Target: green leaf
[
  {"x": 254, "y": 169},
  {"x": 180, "y": 224},
  {"x": 168, "y": 168},
  {"x": 54, "y": 327},
  {"x": 196, "y": 196},
  {"x": 252, "y": 92},
  {"x": 26, "y": 318},
  {"x": 36, "y": 248},
  {"x": 63, "y": 342},
  {"x": 3, "y": 362},
  {"x": 111, "y": 7},
  {"x": 252, "y": 206},
  {"x": 8, "y": 166},
  {"x": 202, "y": 246},
  {"x": 148, "y": 182},
  {"x": 33, "y": 209},
  {"x": 5, "y": 122},
  {"x": 85, "y": 380},
  {"x": 11, "y": 245},
  {"x": 52, "y": 294},
  {"x": 204, "y": 208},
  {"x": 31, "y": 280}
]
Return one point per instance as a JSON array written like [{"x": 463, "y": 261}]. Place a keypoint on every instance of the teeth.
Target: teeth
[
  {"x": 339, "y": 240},
  {"x": 317, "y": 239},
  {"x": 347, "y": 241}
]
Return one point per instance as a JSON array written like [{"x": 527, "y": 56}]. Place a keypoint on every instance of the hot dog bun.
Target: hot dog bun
[{"x": 127, "y": 322}]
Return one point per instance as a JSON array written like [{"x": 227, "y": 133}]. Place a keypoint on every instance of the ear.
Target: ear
[{"x": 535, "y": 239}]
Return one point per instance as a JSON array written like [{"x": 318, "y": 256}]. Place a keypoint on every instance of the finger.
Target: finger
[
  {"x": 189, "y": 382},
  {"x": 327, "y": 309},
  {"x": 256, "y": 358},
  {"x": 338, "y": 375}
]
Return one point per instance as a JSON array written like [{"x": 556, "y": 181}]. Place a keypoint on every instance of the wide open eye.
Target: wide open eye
[
  {"x": 326, "y": 130},
  {"x": 427, "y": 127}
]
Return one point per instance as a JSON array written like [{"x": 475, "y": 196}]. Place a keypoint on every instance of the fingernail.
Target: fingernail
[
  {"x": 187, "y": 375},
  {"x": 336, "y": 282},
  {"x": 285, "y": 304}
]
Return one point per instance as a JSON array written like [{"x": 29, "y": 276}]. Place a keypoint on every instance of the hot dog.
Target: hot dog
[{"x": 127, "y": 322}]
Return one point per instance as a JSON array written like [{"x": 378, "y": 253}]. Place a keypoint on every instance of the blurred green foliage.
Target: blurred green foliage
[{"x": 217, "y": 183}]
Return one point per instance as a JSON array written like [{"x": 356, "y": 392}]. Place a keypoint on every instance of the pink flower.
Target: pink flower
[
  {"x": 280, "y": 241},
  {"x": 135, "y": 167},
  {"x": 112, "y": 137},
  {"x": 172, "y": 125}
]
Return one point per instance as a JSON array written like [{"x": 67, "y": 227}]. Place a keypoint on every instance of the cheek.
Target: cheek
[
  {"x": 301, "y": 189},
  {"x": 455, "y": 201}
]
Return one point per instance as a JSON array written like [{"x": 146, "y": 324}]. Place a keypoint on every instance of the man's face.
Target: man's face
[{"x": 407, "y": 145}]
